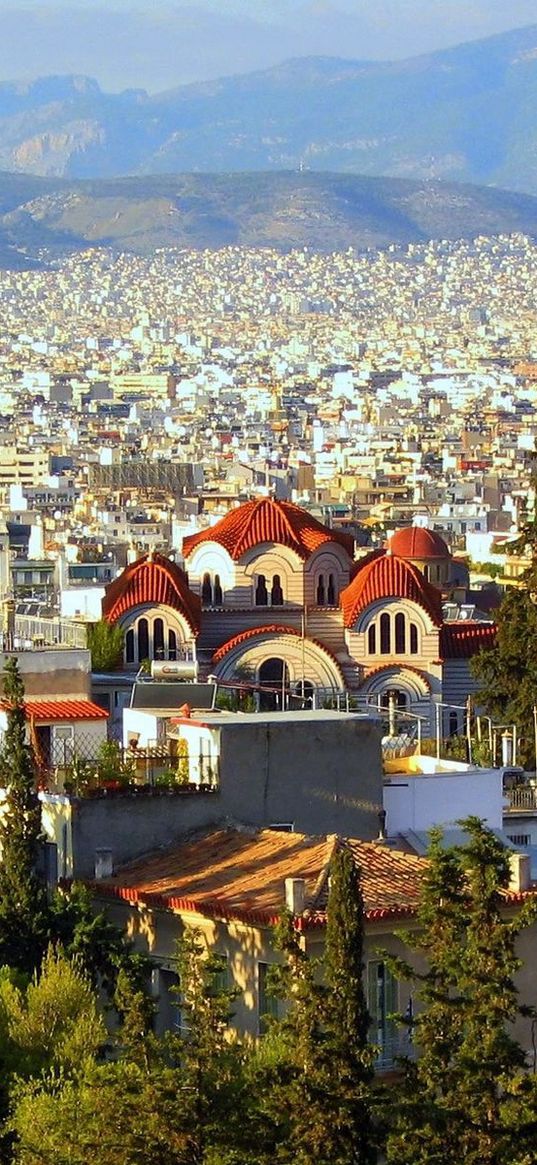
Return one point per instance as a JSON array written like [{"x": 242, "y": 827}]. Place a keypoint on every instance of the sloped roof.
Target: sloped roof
[
  {"x": 463, "y": 640},
  {"x": 268, "y": 520},
  {"x": 59, "y": 710},
  {"x": 414, "y": 542},
  {"x": 235, "y": 873},
  {"x": 152, "y": 579},
  {"x": 389, "y": 577}
]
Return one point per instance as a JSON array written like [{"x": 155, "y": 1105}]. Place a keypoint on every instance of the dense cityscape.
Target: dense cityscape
[{"x": 268, "y": 714}]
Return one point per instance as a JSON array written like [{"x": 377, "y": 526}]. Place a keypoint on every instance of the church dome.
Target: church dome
[
  {"x": 418, "y": 544},
  {"x": 268, "y": 520},
  {"x": 155, "y": 580}
]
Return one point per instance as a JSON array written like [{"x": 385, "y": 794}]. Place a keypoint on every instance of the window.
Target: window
[
  {"x": 385, "y": 634},
  {"x": 321, "y": 594},
  {"x": 143, "y": 640},
  {"x": 331, "y": 591},
  {"x": 276, "y": 594},
  {"x": 172, "y": 644},
  {"x": 165, "y": 986},
  {"x": 218, "y": 598},
  {"x": 129, "y": 646},
  {"x": 400, "y": 636},
  {"x": 382, "y": 1003},
  {"x": 453, "y": 723},
  {"x": 413, "y": 639},
  {"x": 206, "y": 591},
  {"x": 261, "y": 593},
  {"x": 372, "y": 639},
  {"x": 158, "y": 639},
  {"x": 267, "y": 1003},
  {"x": 520, "y": 838}
]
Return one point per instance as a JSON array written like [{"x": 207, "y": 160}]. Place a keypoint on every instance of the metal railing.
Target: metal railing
[{"x": 523, "y": 797}]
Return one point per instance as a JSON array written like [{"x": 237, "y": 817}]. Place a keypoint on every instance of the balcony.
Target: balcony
[{"x": 521, "y": 799}]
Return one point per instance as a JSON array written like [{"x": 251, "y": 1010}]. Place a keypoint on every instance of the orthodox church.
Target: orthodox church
[{"x": 271, "y": 597}]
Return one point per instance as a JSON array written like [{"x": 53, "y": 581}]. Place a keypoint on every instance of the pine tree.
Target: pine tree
[
  {"x": 105, "y": 642},
  {"x": 24, "y": 918},
  {"x": 455, "y": 1103}
]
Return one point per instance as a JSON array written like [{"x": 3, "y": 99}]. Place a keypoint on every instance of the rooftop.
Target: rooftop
[{"x": 240, "y": 873}]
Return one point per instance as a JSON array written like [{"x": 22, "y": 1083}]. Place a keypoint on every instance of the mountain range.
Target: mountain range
[
  {"x": 44, "y": 219},
  {"x": 465, "y": 114}
]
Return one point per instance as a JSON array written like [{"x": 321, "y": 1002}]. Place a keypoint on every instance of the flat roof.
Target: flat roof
[{"x": 313, "y": 715}]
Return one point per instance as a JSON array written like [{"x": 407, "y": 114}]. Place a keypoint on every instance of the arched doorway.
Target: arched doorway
[{"x": 273, "y": 676}]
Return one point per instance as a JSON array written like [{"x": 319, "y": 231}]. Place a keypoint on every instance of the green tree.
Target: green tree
[
  {"x": 105, "y": 642},
  {"x": 24, "y": 915},
  {"x": 216, "y": 1106},
  {"x": 319, "y": 1078},
  {"x": 507, "y": 672},
  {"x": 457, "y": 1099},
  {"x": 347, "y": 1020}
]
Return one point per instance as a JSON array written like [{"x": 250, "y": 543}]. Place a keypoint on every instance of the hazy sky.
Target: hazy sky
[{"x": 157, "y": 44}]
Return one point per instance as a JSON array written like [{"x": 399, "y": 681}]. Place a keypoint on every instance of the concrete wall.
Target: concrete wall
[
  {"x": 54, "y": 671},
  {"x": 419, "y": 802},
  {"x": 322, "y": 774}
]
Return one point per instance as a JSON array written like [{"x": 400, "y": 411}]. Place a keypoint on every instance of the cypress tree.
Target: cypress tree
[
  {"x": 23, "y": 901},
  {"x": 456, "y": 1100},
  {"x": 347, "y": 1019},
  {"x": 320, "y": 1086}
]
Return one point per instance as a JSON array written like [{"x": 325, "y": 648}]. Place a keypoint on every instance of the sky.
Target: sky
[{"x": 159, "y": 44}]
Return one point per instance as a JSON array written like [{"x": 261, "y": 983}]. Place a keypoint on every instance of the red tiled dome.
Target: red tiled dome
[
  {"x": 267, "y": 520},
  {"x": 416, "y": 543},
  {"x": 152, "y": 579},
  {"x": 387, "y": 577}
]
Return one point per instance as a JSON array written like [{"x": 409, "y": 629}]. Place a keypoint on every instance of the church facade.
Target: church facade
[{"x": 272, "y": 599}]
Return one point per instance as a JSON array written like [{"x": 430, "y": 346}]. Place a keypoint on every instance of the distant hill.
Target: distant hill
[
  {"x": 42, "y": 219},
  {"x": 463, "y": 114}
]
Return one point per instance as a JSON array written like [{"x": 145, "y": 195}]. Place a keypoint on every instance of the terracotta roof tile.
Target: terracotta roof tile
[
  {"x": 268, "y": 629},
  {"x": 61, "y": 710},
  {"x": 152, "y": 579},
  {"x": 415, "y": 542},
  {"x": 463, "y": 640},
  {"x": 268, "y": 520},
  {"x": 384, "y": 577},
  {"x": 232, "y": 873}
]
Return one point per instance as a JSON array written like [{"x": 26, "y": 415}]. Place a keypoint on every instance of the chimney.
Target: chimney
[
  {"x": 104, "y": 866},
  {"x": 520, "y": 872},
  {"x": 295, "y": 895}
]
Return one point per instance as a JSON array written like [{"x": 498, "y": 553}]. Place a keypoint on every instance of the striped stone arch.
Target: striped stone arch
[
  {"x": 305, "y": 658},
  {"x": 414, "y": 683}
]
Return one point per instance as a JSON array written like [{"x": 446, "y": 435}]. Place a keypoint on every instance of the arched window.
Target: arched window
[
  {"x": 372, "y": 640},
  {"x": 143, "y": 640},
  {"x": 129, "y": 646},
  {"x": 385, "y": 634},
  {"x": 261, "y": 593},
  {"x": 304, "y": 691},
  {"x": 399, "y": 698},
  {"x": 400, "y": 633},
  {"x": 207, "y": 591},
  {"x": 158, "y": 639},
  {"x": 331, "y": 591},
  {"x": 218, "y": 600},
  {"x": 172, "y": 644},
  {"x": 453, "y": 723},
  {"x": 276, "y": 594},
  {"x": 320, "y": 591},
  {"x": 413, "y": 639},
  {"x": 426, "y": 572}
]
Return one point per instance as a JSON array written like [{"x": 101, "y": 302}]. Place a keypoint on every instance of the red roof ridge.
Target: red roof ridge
[
  {"x": 266, "y": 629},
  {"x": 388, "y": 576},
  {"x": 268, "y": 519},
  {"x": 154, "y": 578}
]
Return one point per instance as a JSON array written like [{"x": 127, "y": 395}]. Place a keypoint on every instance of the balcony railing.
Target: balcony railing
[{"x": 522, "y": 798}]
